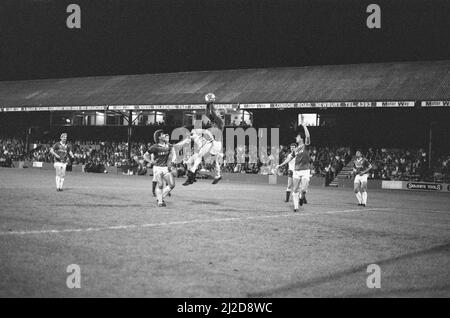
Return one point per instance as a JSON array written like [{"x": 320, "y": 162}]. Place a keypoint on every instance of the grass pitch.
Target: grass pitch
[{"x": 227, "y": 240}]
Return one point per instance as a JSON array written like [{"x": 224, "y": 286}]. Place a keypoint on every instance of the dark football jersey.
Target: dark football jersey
[
  {"x": 361, "y": 164},
  {"x": 216, "y": 121},
  {"x": 62, "y": 151},
  {"x": 161, "y": 154},
  {"x": 301, "y": 157}
]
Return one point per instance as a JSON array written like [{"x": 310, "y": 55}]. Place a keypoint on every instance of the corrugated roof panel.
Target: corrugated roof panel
[{"x": 429, "y": 80}]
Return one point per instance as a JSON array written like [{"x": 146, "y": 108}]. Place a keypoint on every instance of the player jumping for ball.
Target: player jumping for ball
[
  {"x": 361, "y": 168},
  {"x": 301, "y": 173},
  {"x": 159, "y": 154},
  {"x": 206, "y": 143},
  {"x": 61, "y": 152}
]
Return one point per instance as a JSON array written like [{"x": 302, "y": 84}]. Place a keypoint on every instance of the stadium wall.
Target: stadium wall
[
  {"x": 271, "y": 179},
  {"x": 348, "y": 183},
  {"x": 416, "y": 186},
  {"x": 49, "y": 166},
  {"x": 400, "y": 185},
  {"x": 226, "y": 177}
]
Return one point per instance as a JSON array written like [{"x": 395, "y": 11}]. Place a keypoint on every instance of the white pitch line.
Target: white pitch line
[
  {"x": 197, "y": 221},
  {"x": 421, "y": 210},
  {"x": 144, "y": 188}
]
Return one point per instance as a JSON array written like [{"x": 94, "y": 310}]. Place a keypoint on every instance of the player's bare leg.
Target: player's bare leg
[
  {"x": 304, "y": 185},
  {"x": 364, "y": 193},
  {"x": 170, "y": 184},
  {"x": 190, "y": 164},
  {"x": 58, "y": 176},
  {"x": 60, "y": 173},
  {"x": 296, "y": 193},
  {"x": 196, "y": 159},
  {"x": 196, "y": 163},
  {"x": 289, "y": 188},
  {"x": 61, "y": 179},
  {"x": 159, "y": 190},
  {"x": 356, "y": 188},
  {"x": 218, "y": 161}
]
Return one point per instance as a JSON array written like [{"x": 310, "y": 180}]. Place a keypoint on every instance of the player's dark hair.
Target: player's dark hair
[
  {"x": 300, "y": 131},
  {"x": 157, "y": 134}
]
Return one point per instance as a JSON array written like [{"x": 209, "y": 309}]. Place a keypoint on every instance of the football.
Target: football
[{"x": 210, "y": 97}]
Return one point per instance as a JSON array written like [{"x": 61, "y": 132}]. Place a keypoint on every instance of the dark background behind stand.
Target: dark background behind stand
[{"x": 148, "y": 36}]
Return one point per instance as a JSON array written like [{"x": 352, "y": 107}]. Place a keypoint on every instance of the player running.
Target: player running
[
  {"x": 61, "y": 152},
  {"x": 301, "y": 173},
  {"x": 159, "y": 154},
  {"x": 361, "y": 168},
  {"x": 206, "y": 142}
]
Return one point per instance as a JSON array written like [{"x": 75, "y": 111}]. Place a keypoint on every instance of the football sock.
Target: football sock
[
  {"x": 295, "y": 197},
  {"x": 364, "y": 197},
  {"x": 197, "y": 162},
  {"x": 304, "y": 185},
  {"x": 218, "y": 170},
  {"x": 166, "y": 191},
  {"x": 159, "y": 193},
  {"x": 359, "y": 197},
  {"x": 288, "y": 195}
]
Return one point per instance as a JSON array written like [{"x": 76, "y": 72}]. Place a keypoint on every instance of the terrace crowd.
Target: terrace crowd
[{"x": 388, "y": 164}]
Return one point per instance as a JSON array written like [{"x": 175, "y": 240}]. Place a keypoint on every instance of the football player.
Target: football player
[
  {"x": 301, "y": 173},
  {"x": 207, "y": 143},
  {"x": 62, "y": 153},
  {"x": 361, "y": 168},
  {"x": 159, "y": 154}
]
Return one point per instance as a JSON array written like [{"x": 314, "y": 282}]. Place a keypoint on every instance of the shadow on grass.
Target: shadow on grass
[{"x": 341, "y": 274}]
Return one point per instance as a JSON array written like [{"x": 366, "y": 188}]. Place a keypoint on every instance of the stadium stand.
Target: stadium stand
[
  {"x": 428, "y": 80},
  {"x": 334, "y": 143},
  {"x": 388, "y": 164}
]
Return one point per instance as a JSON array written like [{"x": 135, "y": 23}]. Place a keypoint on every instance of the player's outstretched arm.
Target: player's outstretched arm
[
  {"x": 201, "y": 132},
  {"x": 209, "y": 109},
  {"x": 307, "y": 135},
  {"x": 185, "y": 141},
  {"x": 286, "y": 161},
  {"x": 212, "y": 116},
  {"x": 174, "y": 155}
]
